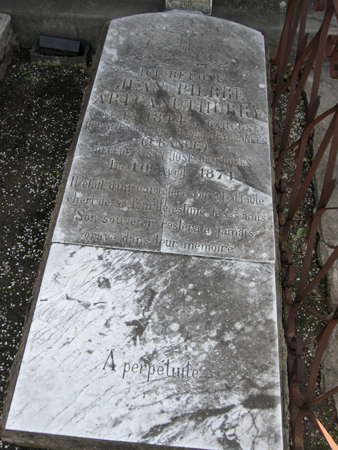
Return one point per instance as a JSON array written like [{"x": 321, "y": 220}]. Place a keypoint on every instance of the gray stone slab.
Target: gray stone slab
[
  {"x": 154, "y": 349},
  {"x": 175, "y": 344},
  {"x": 174, "y": 153}
]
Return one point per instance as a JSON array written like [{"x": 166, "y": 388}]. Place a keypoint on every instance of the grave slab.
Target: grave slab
[
  {"x": 155, "y": 349},
  {"x": 155, "y": 324}
]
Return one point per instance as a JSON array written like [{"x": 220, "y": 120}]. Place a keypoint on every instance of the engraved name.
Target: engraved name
[{"x": 176, "y": 104}]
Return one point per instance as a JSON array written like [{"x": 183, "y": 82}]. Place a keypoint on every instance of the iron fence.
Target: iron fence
[{"x": 299, "y": 62}]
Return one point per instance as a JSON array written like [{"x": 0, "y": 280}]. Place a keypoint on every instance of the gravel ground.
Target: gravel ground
[{"x": 39, "y": 110}]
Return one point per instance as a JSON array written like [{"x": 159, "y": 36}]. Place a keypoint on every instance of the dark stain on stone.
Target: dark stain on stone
[
  {"x": 125, "y": 51},
  {"x": 141, "y": 113},
  {"x": 139, "y": 328},
  {"x": 197, "y": 416},
  {"x": 148, "y": 358},
  {"x": 197, "y": 118},
  {"x": 103, "y": 283},
  {"x": 162, "y": 95},
  {"x": 151, "y": 298},
  {"x": 260, "y": 401}
]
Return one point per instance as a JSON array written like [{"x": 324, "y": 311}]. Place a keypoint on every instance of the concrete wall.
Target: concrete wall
[{"x": 85, "y": 19}]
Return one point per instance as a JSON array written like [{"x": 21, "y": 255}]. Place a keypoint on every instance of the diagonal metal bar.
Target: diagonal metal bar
[
  {"x": 329, "y": 327},
  {"x": 323, "y": 397},
  {"x": 314, "y": 313},
  {"x": 308, "y": 254},
  {"x": 313, "y": 52},
  {"x": 286, "y": 41},
  {"x": 297, "y": 195},
  {"x": 302, "y": 36},
  {"x": 298, "y": 432},
  {"x": 297, "y": 86},
  {"x": 320, "y": 55},
  {"x": 334, "y": 316},
  {"x": 302, "y": 141},
  {"x": 322, "y": 430},
  {"x": 320, "y": 275}
]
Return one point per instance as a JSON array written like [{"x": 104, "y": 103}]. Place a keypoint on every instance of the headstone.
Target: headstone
[
  {"x": 156, "y": 318},
  {"x": 192, "y": 5}
]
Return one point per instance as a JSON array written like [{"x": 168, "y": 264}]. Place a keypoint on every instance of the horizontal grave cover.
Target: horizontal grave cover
[
  {"x": 156, "y": 349},
  {"x": 174, "y": 152},
  {"x": 174, "y": 344}
]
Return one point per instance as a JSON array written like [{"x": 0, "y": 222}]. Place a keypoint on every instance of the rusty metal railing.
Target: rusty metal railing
[{"x": 306, "y": 57}]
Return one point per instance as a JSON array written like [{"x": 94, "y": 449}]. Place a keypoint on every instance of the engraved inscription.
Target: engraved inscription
[
  {"x": 168, "y": 163},
  {"x": 166, "y": 369},
  {"x": 193, "y": 5},
  {"x": 184, "y": 219},
  {"x": 186, "y": 97},
  {"x": 148, "y": 372}
]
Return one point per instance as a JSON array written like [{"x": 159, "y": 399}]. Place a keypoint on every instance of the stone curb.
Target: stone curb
[{"x": 8, "y": 42}]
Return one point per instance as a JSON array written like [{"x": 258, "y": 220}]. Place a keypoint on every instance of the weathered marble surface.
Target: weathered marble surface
[
  {"x": 174, "y": 344},
  {"x": 174, "y": 153},
  {"x": 194, "y": 347}
]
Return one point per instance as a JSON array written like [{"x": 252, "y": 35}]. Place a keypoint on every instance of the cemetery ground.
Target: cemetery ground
[{"x": 39, "y": 110}]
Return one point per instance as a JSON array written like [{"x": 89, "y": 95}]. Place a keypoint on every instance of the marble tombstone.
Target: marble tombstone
[{"x": 155, "y": 323}]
